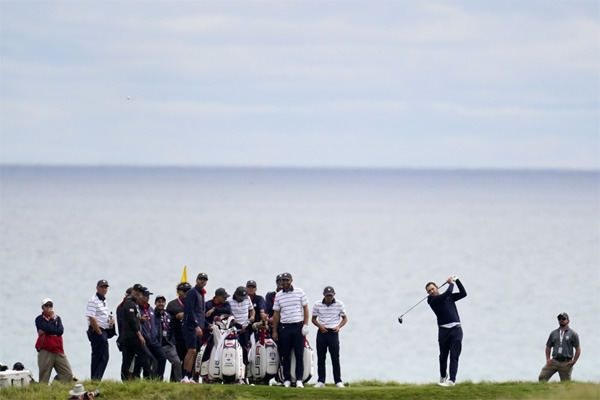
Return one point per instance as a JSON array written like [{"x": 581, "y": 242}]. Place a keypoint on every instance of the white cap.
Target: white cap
[{"x": 47, "y": 300}]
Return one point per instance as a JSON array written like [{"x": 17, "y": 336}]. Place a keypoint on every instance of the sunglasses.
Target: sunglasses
[
  {"x": 48, "y": 305},
  {"x": 562, "y": 319}
]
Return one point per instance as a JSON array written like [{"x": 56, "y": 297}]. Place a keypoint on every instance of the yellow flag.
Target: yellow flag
[{"x": 184, "y": 276}]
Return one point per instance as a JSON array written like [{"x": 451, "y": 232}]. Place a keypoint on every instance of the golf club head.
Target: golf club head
[{"x": 399, "y": 320}]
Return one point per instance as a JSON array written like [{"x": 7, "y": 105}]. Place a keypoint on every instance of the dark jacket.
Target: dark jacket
[
  {"x": 220, "y": 309},
  {"x": 52, "y": 339},
  {"x": 148, "y": 328},
  {"x": 164, "y": 328},
  {"x": 443, "y": 305},
  {"x": 193, "y": 312},
  {"x": 130, "y": 317}
]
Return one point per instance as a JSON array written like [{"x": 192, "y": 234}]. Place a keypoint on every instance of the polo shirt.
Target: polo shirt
[
  {"x": 290, "y": 305},
  {"x": 570, "y": 340},
  {"x": 331, "y": 315},
  {"x": 240, "y": 309},
  {"x": 96, "y": 308}
]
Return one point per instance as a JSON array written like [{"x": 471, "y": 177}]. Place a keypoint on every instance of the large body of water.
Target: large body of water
[{"x": 524, "y": 243}]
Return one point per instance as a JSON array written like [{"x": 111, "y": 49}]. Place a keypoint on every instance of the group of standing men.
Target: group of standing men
[{"x": 176, "y": 332}]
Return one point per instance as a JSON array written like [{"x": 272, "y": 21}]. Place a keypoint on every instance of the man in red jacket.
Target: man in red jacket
[{"x": 50, "y": 345}]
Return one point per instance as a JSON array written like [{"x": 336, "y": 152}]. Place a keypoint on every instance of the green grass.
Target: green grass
[{"x": 143, "y": 390}]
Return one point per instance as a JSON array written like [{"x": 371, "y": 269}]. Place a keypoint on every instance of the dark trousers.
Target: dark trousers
[
  {"x": 181, "y": 352},
  {"x": 132, "y": 347},
  {"x": 99, "y": 345},
  {"x": 450, "y": 341},
  {"x": 155, "y": 351},
  {"x": 331, "y": 341},
  {"x": 291, "y": 339},
  {"x": 244, "y": 340}
]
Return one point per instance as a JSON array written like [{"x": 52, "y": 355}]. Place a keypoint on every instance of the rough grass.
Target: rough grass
[{"x": 144, "y": 390}]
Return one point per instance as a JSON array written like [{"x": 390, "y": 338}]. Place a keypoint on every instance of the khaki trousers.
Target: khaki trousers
[
  {"x": 564, "y": 370},
  {"x": 48, "y": 360}
]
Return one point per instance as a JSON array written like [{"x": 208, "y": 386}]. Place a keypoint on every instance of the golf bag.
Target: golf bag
[
  {"x": 263, "y": 359},
  {"x": 225, "y": 362},
  {"x": 309, "y": 364}
]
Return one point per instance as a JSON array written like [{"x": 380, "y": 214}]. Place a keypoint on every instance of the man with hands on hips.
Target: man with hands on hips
[{"x": 561, "y": 342}]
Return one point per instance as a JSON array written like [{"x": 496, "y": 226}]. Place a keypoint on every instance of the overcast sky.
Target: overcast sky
[{"x": 418, "y": 84}]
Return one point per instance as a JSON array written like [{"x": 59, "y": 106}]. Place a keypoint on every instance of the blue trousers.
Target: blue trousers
[
  {"x": 331, "y": 341},
  {"x": 290, "y": 338},
  {"x": 99, "y": 344},
  {"x": 450, "y": 341},
  {"x": 155, "y": 352}
]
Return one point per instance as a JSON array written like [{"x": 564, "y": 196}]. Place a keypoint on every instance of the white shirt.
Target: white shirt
[
  {"x": 97, "y": 309},
  {"x": 331, "y": 315},
  {"x": 240, "y": 310},
  {"x": 290, "y": 305}
]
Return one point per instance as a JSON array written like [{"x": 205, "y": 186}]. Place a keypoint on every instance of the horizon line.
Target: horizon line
[{"x": 293, "y": 167}]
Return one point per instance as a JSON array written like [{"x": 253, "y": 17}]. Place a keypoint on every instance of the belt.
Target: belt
[
  {"x": 292, "y": 324},
  {"x": 563, "y": 359}
]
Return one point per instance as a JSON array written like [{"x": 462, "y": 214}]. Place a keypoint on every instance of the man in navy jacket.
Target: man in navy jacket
[{"x": 450, "y": 333}]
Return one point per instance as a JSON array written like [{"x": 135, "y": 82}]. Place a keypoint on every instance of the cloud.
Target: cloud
[{"x": 362, "y": 76}]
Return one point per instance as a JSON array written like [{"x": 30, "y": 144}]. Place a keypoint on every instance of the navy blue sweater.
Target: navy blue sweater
[{"x": 443, "y": 305}]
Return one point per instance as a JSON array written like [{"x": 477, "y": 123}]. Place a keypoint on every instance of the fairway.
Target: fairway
[{"x": 355, "y": 390}]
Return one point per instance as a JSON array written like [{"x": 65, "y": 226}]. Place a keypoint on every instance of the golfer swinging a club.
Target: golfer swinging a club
[{"x": 450, "y": 333}]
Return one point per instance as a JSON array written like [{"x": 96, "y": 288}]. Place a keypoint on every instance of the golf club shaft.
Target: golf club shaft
[{"x": 406, "y": 312}]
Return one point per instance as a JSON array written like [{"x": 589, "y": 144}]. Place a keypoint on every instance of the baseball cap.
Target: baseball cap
[
  {"x": 221, "y": 292},
  {"x": 328, "y": 290},
  {"x": 286, "y": 275},
  {"x": 251, "y": 283},
  {"x": 278, "y": 278},
  {"x": 241, "y": 292},
  {"x": 563, "y": 314},
  {"x": 184, "y": 286},
  {"x": 47, "y": 300},
  {"x": 202, "y": 275},
  {"x": 146, "y": 292},
  {"x": 102, "y": 282},
  {"x": 138, "y": 287},
  {"x": 160, "y": 296},
  {"x": 18, "y": 366}
]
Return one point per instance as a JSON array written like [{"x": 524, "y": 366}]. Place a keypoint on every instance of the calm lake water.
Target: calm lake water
[{"x": 524, "y": 243}]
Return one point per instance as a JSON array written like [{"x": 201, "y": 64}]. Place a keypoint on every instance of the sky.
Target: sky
[{"x": 352, "y": 84}]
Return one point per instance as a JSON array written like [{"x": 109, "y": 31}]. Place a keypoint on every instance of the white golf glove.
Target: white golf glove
[
  {"x": 454, "y": 278},
  {"x": 304, "y": 330}
]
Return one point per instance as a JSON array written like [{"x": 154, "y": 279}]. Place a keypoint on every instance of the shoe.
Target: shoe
[
  {"x": 319, "y": 384},
  {"x": 287, "y": 383},
  {"x": 444, "y": 379},
  {"x": 340, "y": 384},
  {"x": 299, "y": 384},
  {"x": 447, "y": 383}
]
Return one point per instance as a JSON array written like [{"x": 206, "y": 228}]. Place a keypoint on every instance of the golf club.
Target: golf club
[{"x": 400, "y": 317}]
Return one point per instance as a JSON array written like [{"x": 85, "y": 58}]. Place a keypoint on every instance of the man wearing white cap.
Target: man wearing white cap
[{"x": 49, "y": 345}]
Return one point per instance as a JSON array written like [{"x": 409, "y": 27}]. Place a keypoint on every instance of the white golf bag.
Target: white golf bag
[
  {"x": 309, "y": 364},
  {"x": 263, "y": 359},
  {"x": 225, "y": 363}
]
